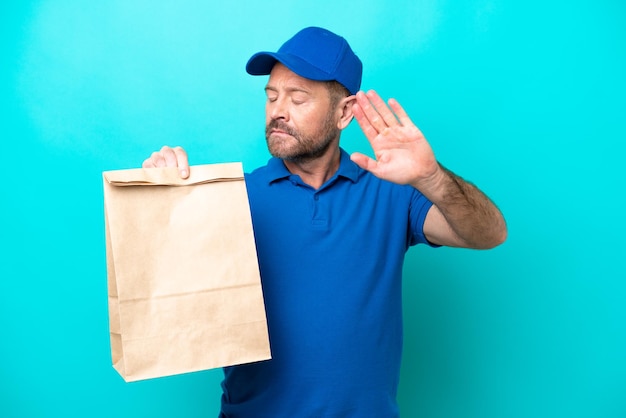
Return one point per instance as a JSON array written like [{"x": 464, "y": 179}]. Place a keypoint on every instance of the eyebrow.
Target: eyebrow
[{"x": 289, "y": 89}]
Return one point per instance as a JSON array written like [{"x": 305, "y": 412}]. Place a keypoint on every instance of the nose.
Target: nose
[{"x": 277, "y": 109}]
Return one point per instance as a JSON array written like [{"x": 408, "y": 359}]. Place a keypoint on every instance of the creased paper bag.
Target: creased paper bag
[{"x": 183, "y": 277}]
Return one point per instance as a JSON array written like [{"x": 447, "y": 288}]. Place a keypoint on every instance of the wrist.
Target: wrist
[{"x": 432, "y": 185}]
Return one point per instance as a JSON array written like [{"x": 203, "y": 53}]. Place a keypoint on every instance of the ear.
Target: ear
[{"x": 344, "y": 108}]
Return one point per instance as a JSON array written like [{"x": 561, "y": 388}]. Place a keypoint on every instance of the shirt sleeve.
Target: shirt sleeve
[{"x": 418, "y": 209}]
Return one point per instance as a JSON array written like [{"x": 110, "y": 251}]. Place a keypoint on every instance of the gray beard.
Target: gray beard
[{"x": 309, "y": 148}]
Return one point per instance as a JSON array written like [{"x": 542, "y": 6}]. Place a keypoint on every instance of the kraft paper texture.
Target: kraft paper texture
[{"x": 183, "y": 278}]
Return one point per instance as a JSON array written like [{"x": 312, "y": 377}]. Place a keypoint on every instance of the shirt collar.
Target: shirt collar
[{"x": 276, "y": 169}]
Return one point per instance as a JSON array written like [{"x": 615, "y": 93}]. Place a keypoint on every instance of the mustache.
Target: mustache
[{"x": 281, "y": 126}]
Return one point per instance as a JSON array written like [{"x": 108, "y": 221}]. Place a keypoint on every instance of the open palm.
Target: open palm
[{"x": 402, "y": 154}]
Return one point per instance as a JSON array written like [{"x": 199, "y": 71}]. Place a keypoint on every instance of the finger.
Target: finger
[
  {"x": 388, "y": 116},
  {"x": 182, "y": 162},
  {"x": 370, "y": 112},
  {"x": 147, "y": 163},
  {"x": 399, "y": 111},
  {"x": 169, "y": 156},
  {"x": 176, "y": 157},
  {"x": 367, "y": 128},
  {"x": 363, "y": 161},
  {"x": 155, "y": 160}
]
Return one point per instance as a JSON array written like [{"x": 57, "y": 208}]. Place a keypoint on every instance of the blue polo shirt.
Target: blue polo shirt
[{"x": 331, "y": 265}]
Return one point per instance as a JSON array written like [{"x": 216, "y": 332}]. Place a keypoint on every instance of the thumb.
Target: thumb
[{"x": 363, "y": 161}]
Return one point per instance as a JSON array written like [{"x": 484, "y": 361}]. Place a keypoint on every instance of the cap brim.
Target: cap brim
[{"x": 262, "y": 63}]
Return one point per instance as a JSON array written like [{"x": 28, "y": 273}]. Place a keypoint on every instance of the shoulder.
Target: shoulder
[
  {"x": 273, "y": 170},
  {"x": 258, "y": 172}
]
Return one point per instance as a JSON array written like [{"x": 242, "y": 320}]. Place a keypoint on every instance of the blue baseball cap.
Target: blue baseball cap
[{"x": 313, "y": 53}]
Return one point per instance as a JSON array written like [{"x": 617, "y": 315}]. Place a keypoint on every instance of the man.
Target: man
[{"x": 332, "y": 231}]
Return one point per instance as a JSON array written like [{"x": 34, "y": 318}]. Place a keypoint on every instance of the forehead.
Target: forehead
[{"x": 282, "y": 77}]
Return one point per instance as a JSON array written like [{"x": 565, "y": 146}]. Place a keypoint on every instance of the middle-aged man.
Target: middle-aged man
[{"x": 332, "y": 231}]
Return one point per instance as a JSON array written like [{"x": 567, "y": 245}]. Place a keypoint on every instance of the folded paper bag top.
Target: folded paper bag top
[
  {"x": 183, "y": 278},
  {"x": 169, "y": 176}
]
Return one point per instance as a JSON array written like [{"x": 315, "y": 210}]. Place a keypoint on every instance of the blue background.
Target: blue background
[{"x": 526, "y": 99}]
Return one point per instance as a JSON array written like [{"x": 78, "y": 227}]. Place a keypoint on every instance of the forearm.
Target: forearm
[{"x": 470, "y": 215}]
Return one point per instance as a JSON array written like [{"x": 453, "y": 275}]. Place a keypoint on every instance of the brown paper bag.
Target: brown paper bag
[{"x": 183, "y": 278}]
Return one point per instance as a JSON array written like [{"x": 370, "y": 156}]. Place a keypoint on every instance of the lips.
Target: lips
[
  {"x": 278, "y": 131},
  {"x": 275, "y": 127}
]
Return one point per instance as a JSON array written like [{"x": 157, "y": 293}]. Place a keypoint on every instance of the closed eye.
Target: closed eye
[
  {"x": 299, "y": 98},
  {"x": 272, "y": 94}
]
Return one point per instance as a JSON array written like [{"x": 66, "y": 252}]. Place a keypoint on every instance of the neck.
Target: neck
[{"x": 317, "y": 171}]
